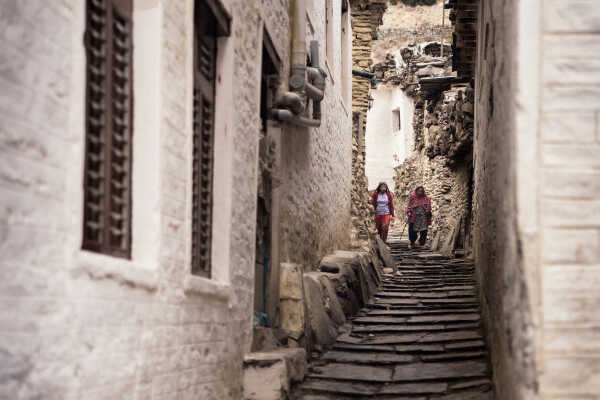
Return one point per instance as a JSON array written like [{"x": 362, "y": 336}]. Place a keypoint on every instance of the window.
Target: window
[
  {"x": 210, "y": 21},
  {"x": 397, "y": 120},
  {"x": 269, "y": 79},
  {"x": 107, "y": 174}
]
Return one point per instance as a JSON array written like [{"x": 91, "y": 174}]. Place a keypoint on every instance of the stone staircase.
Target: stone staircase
[{"x": 418, "y": 338}]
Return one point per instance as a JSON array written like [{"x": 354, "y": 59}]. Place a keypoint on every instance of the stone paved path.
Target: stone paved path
[{"x": 419, "y": 338}]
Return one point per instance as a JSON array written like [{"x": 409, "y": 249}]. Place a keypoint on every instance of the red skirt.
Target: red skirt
[{"x": 382, "y": 222}]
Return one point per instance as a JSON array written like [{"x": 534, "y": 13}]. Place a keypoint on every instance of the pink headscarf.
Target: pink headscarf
[{"x": 416, "y": 200}]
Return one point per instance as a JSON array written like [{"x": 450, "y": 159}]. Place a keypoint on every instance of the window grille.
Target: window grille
[
  {"x": 210, "y": 21},
  {"x": 107, "y": 173}
]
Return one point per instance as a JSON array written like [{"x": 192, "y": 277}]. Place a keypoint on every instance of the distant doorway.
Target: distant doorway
[{"x": 263, "y": 285}]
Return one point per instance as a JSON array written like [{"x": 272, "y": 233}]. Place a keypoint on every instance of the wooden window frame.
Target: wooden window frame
[
  {"x": 210, "y": 21},
  {"x": 107, "y": 203}
]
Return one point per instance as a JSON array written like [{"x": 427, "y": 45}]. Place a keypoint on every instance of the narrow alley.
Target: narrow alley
[
  {"x": 196, "y": 195},
  {"x": 420, "y": 336}
]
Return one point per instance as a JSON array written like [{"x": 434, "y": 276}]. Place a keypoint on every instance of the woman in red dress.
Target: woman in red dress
[{"x": 383, "y": 204}]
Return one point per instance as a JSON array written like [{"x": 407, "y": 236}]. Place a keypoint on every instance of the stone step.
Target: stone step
[
  {"x": 420, "y": 306},
  {"x": 416, "y": 319},
  {"x": 374, "y": 358},
  {"x": 419, "y": 348},
  {"x": 417, "y": 312},
  {"x": 418, "y": 371},
  {"x": 417, "y": 338},
  {"x": 412, "y": 328},
  {"x": 454, "y": 356},
  {"x": 427, "y": 288},
  {"x": 425, "y": 295},
  {"x": 355, "y": 389},
  {"x": 403, "y": 338}
]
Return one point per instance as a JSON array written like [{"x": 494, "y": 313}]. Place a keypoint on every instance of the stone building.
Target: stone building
[
  {"x": 389, "y": 134},
  {"x": 366, "y": 18},
  {"x": 148, "y": 195},
  {"x": 536, "y": 196},
  {"x": 533, "y": 71}
]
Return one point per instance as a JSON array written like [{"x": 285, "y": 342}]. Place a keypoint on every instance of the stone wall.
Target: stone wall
[
  {"x": 449, "y": 186},
  {"x": 537, "y": 248},
  {"x": 501, "y": 241},
  {"x": 569, "y": 198},
  {"x": 406, "y": 23},
  {"x": 366, "y": 18},
  {"x": 443, "y": 139},
  {"x": 77, "y": 324},
  {"x": 315, "y": 179}
]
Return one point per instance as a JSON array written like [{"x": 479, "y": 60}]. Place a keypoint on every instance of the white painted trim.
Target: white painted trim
[
  {"x": 527, "y": 123},
  {"x": 223, "y": 160},
  {"x": 145, "y": 220}
]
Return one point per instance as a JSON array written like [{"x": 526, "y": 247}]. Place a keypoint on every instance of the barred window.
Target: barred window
[
  {"x": 107, "y": 174},
  {"x": 210, "y": 21}
]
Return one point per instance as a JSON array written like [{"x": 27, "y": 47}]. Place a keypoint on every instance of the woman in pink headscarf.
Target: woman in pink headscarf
[{"x": 419, "y": 216}]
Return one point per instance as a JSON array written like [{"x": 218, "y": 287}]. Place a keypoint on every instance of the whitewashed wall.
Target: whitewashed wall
[
  {"x": 386, "y": 145},
  {"x": 75, "y": 324}
]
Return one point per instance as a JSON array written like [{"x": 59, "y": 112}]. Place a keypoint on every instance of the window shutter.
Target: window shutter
[
  {"x": 205, "y": 47},
  {"x": 107, "y": 180}
]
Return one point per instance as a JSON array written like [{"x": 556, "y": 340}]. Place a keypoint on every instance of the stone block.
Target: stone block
[
  {"x": 290, "y": 281},
  {"x": 582, "y": 47},
  {"x": 565, "y": 98},
  {"x": 269, "y": 375},
  {"x": 323, "y": 329},
  {"x": 570, "y": 183},
  {"x": 332, "y": 302},
  {"x": 571, "y": 155},
  {"x": 574, "y": 281},
  {"x": 571, "y": 246},
  {"x": 572, "y": 339},
  {"x": 385, "y": 254},
  {"x": 571, "y": 16},
  {"x": 572, "y": 127},
  {"x": 556, "y": 213},
  {"x": 570, "y": 310},
  {"x": 571, "y": 72},
  {"x": 559, "y": 379}
]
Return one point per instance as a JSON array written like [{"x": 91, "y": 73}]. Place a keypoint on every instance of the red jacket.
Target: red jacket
[{"x": 389, "y": 196}]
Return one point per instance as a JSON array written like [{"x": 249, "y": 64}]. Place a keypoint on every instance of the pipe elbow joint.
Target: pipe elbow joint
[{"x": 313, "y": 92}]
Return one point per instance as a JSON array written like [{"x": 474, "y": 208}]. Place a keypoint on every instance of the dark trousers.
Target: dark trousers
[{"x": 412, "y": 235}]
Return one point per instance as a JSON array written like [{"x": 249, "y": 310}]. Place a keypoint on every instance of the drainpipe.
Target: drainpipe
[
  {"x": 298, "y": 70},
  {"x": 288, "y": 116},
  {"x": 365, "y": 74},
  {"x": 293, "y": 103}
]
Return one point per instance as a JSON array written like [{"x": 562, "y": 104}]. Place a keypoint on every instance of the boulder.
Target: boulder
[
  {"x": 385, "y": 254},
  {"x": 332, "y": 303},
  {"x": 323, "y": 330}
]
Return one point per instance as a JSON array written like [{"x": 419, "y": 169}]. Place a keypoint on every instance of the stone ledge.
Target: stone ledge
[
  {"x": 127, "y": 272},
  {"x": 197, "y": 285}
]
